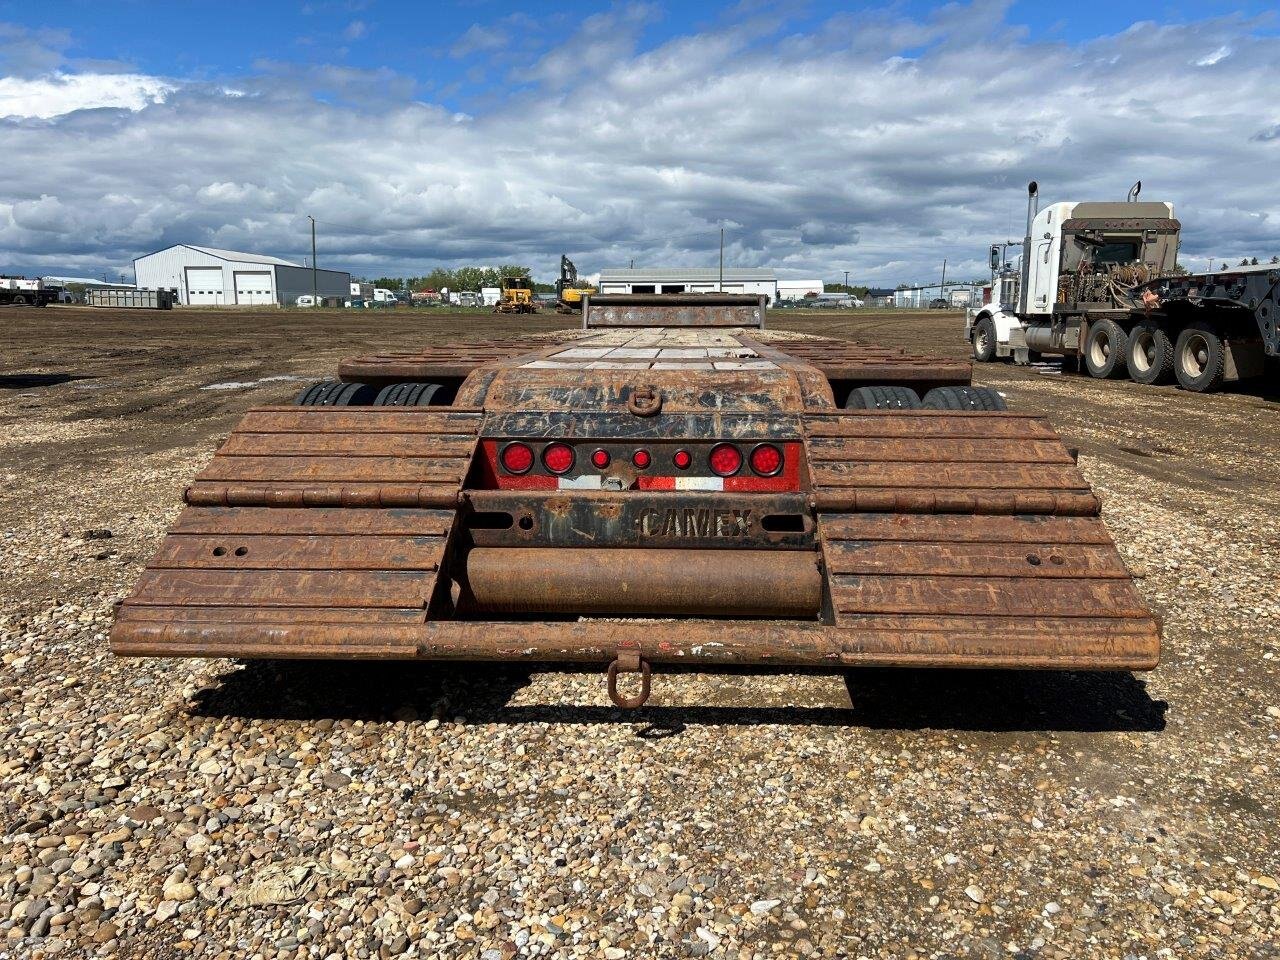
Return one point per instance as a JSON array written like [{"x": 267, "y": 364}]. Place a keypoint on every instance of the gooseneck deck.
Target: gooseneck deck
[{"x": 671, "y": 485}]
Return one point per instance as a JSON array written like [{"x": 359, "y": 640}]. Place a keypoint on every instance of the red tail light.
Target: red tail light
[
  {"x": 557, "y": 457},
  {"x": 726, "y": 459},
  {"x": 600, "y": 459},
  {"x": 682, "y": 459},
  {"x": 766, "y": 460},
  {"x": 641, "y": 459},
  {"x": 517, "y": 458}
]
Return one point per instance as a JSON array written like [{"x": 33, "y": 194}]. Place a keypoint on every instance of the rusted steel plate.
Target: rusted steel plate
[
  {"x": 353, "y": 444},
  {"x": 939, "y": 450},
  {"x": 900, "y": 500},
  {"x": 277, "y": 615},
  {"x": 289, "y": 493},
  {"x": 283, "y": 588},
  {"x": 602, "y": 390},
  {"x": 637, "y": 518},
  {"x": 923, "y": 424},
  {"x": 974, "y": 560},
  {"x": 241, "y": 552},
  {"x": 708, "y": 642},
  {"x": 332, "y": 469},
  {"x": 637, "y": 582},
  {"x": 1030, "y": 529},
  {"x": 1013, "y": 596},
  {"x": 707, "y": 425},
  {"x": 360, "y": 420},
  {"x": 667, "y": 310},
  {"x": 953, "y": 476},
  {"x": 269, "y": 521}
]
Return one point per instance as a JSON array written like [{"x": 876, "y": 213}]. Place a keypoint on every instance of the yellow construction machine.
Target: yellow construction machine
[
  {"x": 517, "y": 296},
  {"x": 569, "y": 291}
]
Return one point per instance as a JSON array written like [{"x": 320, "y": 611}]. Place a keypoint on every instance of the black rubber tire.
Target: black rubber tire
[
  {"x": 335, "y": 393},
  {"x": 413, "y": 395},
  {"x": 19, "y": 301},
  {"x": 1106, "y": 350},
  {"x": 1150, "y": 353},
  {"x": 882, "y": 398},
  {"x": 1199, "y": 357},
  {"x": 964, "y": 398},
  {"x": 984, "y": 340}
]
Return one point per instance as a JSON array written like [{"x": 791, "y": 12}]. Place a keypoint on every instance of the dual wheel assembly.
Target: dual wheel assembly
[
  {"x": 939, "y": 398},
  {"x": 1196, "y": 358},
  {"x": 337, "y": 393}
]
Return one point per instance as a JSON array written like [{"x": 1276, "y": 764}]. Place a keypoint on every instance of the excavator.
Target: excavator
[
  {"x": 517, "y": 296},
  {"x": 569, "y": 290}
]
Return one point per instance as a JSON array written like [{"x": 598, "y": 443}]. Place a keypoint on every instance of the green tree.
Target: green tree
[{"x": 389, "y": 283}]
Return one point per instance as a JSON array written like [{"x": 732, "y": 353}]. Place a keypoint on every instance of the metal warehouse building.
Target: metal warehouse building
[
  {"x": 208, "y": 276},
  {"x": 695, "y": 280}
]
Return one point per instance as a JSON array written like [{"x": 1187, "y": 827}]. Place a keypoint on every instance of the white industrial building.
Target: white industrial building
[
  {"x": 209, "y": 276},
  {"x": 697, "y": 280}
]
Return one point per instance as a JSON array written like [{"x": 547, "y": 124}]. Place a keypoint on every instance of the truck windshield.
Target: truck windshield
[{"x": 1116, "y": 251}]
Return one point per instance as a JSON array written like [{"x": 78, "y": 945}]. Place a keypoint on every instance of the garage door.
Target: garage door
[
  {"x": 253, "y": 286},
  {"x": 204, "y": 286}
]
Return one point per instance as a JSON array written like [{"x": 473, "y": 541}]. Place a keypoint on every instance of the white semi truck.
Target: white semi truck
[
  {"x": 1099, "y": 282},
  {"x": 23, "y": 290}
]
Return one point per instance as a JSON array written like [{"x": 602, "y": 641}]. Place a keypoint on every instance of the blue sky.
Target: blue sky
[{"x": 877, "y": 137}]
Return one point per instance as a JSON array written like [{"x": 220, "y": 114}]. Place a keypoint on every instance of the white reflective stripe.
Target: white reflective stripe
[
  {"x": 580, "y": 483},
  {"x": 699, "y": 483}
]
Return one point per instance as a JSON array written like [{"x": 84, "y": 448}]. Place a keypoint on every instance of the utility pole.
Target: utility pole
[
  {"x": 720, "y": 284},
  {"x": 942, "y": 287},
  {"x": 315, "y": 289},
  {"x": 846, "y": 281}
]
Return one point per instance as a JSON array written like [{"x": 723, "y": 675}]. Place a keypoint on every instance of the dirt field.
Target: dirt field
[{"x": 205, "y": 809}]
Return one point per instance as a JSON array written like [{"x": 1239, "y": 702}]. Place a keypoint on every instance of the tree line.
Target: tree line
[{"x": 464, "y": 278}]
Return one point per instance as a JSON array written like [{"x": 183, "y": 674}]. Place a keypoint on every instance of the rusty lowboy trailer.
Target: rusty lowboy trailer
[{"x": 672, "y": 484}]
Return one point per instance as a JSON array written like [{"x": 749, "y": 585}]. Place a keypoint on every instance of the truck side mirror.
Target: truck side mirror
[{"x": 995, "y": 257}]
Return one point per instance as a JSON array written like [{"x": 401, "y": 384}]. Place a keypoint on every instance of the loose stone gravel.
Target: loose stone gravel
[{"x": 166, "y": 808}]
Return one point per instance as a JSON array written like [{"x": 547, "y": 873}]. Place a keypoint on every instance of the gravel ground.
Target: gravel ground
[{"x": 168, "y": 808}]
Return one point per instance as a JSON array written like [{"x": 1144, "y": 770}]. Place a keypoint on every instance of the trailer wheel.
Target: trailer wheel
[
  {"x": 335, "y": 393},
  {"x": 964, "y": 398},
  {"x": 1199, "y": 358},
  {"x": 1104, "y": 350},
  {"x": 882, "y": 398},
  {"x": 413, "y": 395},
  {"x": 984, "y": 341},
  {"x": 1150, "y": 354},
  {"x": 19, "y": 301}
]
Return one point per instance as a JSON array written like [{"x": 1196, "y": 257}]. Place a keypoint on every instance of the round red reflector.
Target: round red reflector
[
  {"x": 641, "y": 459},
  {"x": 766, "y": 460},
  {"x": 517, "y": 458},
  {"x": 600, "y": 459},
  {"x": 726, "y": 459},
  {"x": 557, "y": 457},
  {"x": 682, "y": 459}
]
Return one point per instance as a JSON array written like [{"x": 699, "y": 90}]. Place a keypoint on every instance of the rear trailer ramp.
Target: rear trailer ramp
[{"x": 637, "y": 497}]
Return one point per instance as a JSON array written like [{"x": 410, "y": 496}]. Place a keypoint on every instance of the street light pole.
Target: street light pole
[
  {"x": 720, "y": 285},
  {"x": 315, "y": 289}
]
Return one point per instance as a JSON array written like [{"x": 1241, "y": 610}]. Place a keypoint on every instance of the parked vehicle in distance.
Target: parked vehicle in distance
[
  {"x": 939, "y": 303},
  {"x": 1100, "y": 282},
  {"x": 20, "y": 291},
  {"x": 383, "y": 295}
]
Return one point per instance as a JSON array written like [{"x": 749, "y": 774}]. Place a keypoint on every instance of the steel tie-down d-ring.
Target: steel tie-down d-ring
[
  {"x": 644, "y": 401},
  {"x": 628, "y": 661}
]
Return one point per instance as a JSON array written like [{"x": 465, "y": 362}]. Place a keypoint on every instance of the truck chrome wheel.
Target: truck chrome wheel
[
  {"x": 1150, "y": 353},
  {"x": 1199, "y": 358},
  {"x": 1104, "y": 350}
]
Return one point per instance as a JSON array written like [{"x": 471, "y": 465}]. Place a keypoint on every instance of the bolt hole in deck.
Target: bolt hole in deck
[{"x": 739, "y": 517}]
